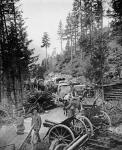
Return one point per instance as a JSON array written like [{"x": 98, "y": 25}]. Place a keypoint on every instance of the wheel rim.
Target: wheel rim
[
  {"x": 78, "y": 126},
  {"x": 62, "y": 133},
  {"x": 88, "y": 124}
]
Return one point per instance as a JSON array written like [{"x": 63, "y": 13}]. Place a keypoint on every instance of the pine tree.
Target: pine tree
[
  {"x": 60, "y": 33},
  {"x": 45, "y": 43},
  {"x": 15, "y": 52}
]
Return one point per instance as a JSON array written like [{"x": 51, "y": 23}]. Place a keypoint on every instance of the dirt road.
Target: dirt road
[{"x": 8, "y": 133}]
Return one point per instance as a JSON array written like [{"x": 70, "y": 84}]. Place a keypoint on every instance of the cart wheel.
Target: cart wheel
[
  {"x": 60, "y": 147},
  {"x": 106, "y": 121},
  {"x": 62, "y": 133},
  {"x": 78, "y": 126},
  {"x": 87, "y": 123}
]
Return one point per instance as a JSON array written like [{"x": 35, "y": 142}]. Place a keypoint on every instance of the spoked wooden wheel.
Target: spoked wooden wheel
[
  {"x": 87, "y": 123},
  {"x": 62, "y": 133},
  {"x": 78, "y": 126},
  {"x": 106, "y": 121},
  {"x": 60, "y": 147}
]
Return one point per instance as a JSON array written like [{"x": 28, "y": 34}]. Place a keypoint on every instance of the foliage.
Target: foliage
[
  {"x": 89, "y": 51},
  {"x": 45, "y": 40},
  {"x": 60, "y": 30},
  {"x": 117, "y": 5},
  {"x": 116, "y": 37},
  {"x": 117, "y": 22},
  {"x": 16, "y": 55},
  {"x": 98, "y": 62},
  {"x": 40, "y": 100},
  {"x": 37, "y": 71}
]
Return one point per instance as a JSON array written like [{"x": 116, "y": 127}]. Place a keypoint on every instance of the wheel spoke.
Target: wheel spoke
[
  {"x": 64, "y": 133},
  {"x": 64, "y": 142},
  {"x": 54, "y": 134},
  {"x": 57, "y": 132},
  {"x": 67, "y": 136},
  {"x": 61, "y": 131},
  {"x": 68, "y": 141}
]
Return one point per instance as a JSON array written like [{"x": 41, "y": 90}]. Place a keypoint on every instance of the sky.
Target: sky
[{"x": 43, "y": 16}]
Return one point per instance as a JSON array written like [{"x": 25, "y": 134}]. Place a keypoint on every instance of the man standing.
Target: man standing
[
  {"x": 36, "y": 122},
  {"x": 70, "y": 108},
  {"x": 72, "y": 89},
  {"x": 66, "y": 98}
]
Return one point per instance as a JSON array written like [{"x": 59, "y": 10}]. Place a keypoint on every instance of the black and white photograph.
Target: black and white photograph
[{"x": 60, "y": 74}]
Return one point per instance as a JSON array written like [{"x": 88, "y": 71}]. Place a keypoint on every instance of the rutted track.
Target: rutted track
[{"x": 8, "y": 133}]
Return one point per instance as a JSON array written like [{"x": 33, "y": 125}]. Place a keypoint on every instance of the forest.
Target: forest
[
  {"x": 92, "y": 51},
  {"x": 16, "y": 57},
  {"x": 93, "y": 48}
]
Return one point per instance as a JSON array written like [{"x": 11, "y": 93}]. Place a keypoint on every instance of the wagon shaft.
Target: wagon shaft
[{"x": 49, "y": 123}]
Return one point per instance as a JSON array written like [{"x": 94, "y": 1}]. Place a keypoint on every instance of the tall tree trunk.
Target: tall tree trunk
[
  {"x": 61, "y": 46},
  {"x": 71, "y": 52},
  {"x": 75, "y": 39},
  {"x": 0, "y": 72},
  {"x": 46, "y": 59},
  {"x": 102, "y": 50},
  {"x": 20, "y": 83},
  {"x": 14, "y": 89},
  {"x": 81, "y": 30},
  {"x": 8, "y": 86},
  {"x": 0, "y": 91}
]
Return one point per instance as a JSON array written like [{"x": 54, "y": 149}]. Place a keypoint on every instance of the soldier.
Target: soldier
[
  {"x": 70, "y": 108},
  {"x": 72, "y": 89},
  {"x": 66, "y": 102}
]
